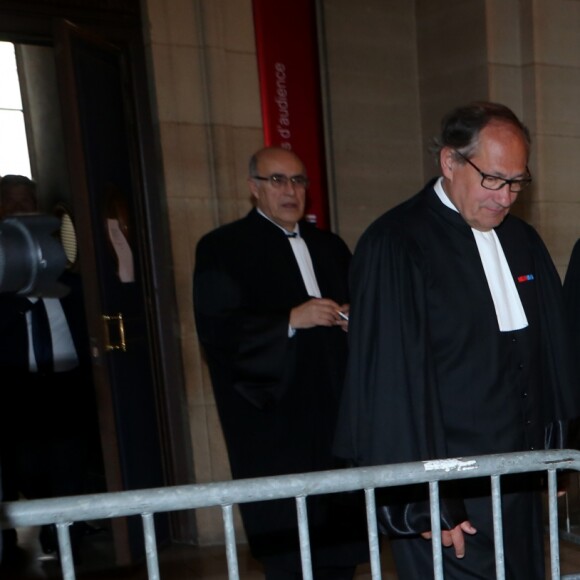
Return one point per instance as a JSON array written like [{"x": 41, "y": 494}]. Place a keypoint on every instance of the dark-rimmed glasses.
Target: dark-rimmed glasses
[
  {"x": 278, "y": 180},
  {"x": 494, "y": 182}
]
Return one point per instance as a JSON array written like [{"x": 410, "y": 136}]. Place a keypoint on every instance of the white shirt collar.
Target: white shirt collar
[
  {"x": 296, "y": 227},
  {"x": 442, "y": 195}
]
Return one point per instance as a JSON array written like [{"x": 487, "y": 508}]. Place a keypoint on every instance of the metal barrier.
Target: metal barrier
[{"x": 64, "y": 511}]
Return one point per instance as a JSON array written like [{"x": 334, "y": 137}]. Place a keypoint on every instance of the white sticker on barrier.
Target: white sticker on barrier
[{"x": 450, "y": 465}]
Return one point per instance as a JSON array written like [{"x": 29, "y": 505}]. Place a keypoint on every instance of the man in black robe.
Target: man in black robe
[
  {"x": 268, "y": 293},
  {"x": 458, "y": 347},
  {"x": 572, "y": 295}
]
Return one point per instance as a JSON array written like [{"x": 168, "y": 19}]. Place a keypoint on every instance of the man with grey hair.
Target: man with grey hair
[
  {"x": 270, "y": 297},
  {"x": 458, "y": 347}
]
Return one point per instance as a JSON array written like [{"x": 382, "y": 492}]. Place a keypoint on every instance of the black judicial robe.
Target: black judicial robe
[
  {"x": 277, "y": 397},
  {"x": 431, "y": 376},
  {"x": 572, "y": 293},
  {"x": 572, "y": 304}
]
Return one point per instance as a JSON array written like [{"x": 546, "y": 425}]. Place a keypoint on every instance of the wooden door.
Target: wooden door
[{"x": 105, "y": 179}]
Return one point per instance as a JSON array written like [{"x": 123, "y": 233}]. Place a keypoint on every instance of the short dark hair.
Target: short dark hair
[
  {"x": 16, "y": 180},
  {"x": 460, "y": 128}
]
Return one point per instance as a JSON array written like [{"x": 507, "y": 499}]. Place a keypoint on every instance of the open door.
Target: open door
[{"x": 104, "y": 167}]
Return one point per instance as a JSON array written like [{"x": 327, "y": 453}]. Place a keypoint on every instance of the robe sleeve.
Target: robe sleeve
[
  {"x": 390, "y": 411},
  {"x": 250, "y": 346}
]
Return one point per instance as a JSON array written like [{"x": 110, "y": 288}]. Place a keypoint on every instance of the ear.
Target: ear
[
  {"x": 253, "y": 187},
  {"x": 447, "y": 162}
]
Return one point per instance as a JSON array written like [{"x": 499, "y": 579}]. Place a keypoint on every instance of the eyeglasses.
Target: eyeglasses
[
  {"x": 279, "y": 180},
  {"x": 495, "y": 182}
]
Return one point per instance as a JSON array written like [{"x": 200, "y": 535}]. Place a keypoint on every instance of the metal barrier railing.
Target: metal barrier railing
[{"x": 64, "y": 511}]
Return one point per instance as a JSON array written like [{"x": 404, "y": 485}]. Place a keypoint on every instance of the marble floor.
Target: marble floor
[{"x": 180, "y": 562}]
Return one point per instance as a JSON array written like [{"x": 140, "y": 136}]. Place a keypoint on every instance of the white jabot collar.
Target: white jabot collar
[
  {"x": 302, "y": 256},
  {"x": 506, "y": 300}
]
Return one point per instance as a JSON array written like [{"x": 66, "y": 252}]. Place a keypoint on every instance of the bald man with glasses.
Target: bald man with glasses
[
  {"x": 271, "y": 307},
  {"x": 458, "y": 347}
]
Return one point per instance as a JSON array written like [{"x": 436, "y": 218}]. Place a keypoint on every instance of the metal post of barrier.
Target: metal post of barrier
[
  {"x": 65, "y": 550},
  {"x": 230, "y": 536},
  {"x": 553, "y": 518},
  {"x": 436, "y": 530},
  {"x": 497, "y": 527},
  {"x": 150, "y": 546},
  {"x": 305, "y": 554},
  {"x": 373, "y": 534}
]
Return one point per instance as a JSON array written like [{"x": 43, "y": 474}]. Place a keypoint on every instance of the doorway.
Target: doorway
[{"x": 95, "y": 153}]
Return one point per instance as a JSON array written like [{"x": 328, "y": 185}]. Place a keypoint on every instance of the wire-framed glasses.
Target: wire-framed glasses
[{"x": 279, "y": 180}]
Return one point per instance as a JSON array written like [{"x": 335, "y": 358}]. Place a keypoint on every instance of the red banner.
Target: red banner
[{"x": 290, "y": 90}]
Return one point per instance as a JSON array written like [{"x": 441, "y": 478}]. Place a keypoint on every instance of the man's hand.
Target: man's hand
[
  {"x": 455, "y": 537},
  {"x": 317, "y": 312}
]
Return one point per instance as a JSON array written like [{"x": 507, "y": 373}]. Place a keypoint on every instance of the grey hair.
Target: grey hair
[{"x": 461, "y": 127}]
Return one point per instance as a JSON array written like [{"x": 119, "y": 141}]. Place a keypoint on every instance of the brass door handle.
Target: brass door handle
[{"x": 121, "y": 345}]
